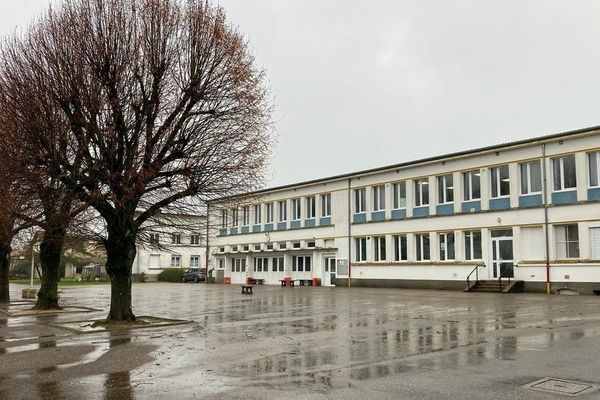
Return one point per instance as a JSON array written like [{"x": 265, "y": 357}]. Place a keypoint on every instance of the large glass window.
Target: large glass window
[
  {"x": 278, "y": 264},
  {"x": 400, "y": 248},
  {"x": 567, "y": 241},
  {"x": 257, "y": 214},
  {"x": 246, "y": 216},
  {"x": 399, "y": 195},
  {"x": 361, "y": 249},
  {"x": 564, "y": 173},
  {"x": 380, "y": 248},
  {"x": 261, "y": 264},
  {"x": 423, "y": 246},
  {"x": 446, "y": 246},
  {"x": 269, "y": 212},
  {"x": 500, "y": 181},
  {"x": 360, "y": 201},
  {"x": 235, "y": 217},
  {"x": 473, "y": 245},
  {"x": 311, "y": 211},
  {"x": 283, "y": 211},
  {"x": 326, "y": 205},
  {"x": 224, "y": 218},
  {"x": 194, "y": 261},
  {"x": 379, "y": 198},
  {"x": 238, "y": 265},
  {"x": 175, "y": 261},
  {"x": 296, "y": 209},
  {"x": 421, "y": 192},
  {"x": 301, "y": 263},
  {"x": 445, "y": 189},
  {"x": 472, "y": 185},
  {"x": 594, "y": 162},
  {"x": 531, "y": 177}
]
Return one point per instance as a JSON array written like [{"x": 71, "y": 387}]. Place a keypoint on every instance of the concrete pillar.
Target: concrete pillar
[
  {"x": 433, "y": 195},
  {"x": 485, "y": 186},
  {"x": 582, "y": 176},
  {"x": 515, "y": 181},
  {"x": 457, "y": 180},
  {"x": 410, "y": 197}
]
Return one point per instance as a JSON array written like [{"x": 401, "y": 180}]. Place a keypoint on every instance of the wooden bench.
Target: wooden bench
[
  {"x": 283, "y": 282},
  {"x": 305, "y": 282},
  {"x": 246, "y": 289},
  {"x": 258, "y": 281}
]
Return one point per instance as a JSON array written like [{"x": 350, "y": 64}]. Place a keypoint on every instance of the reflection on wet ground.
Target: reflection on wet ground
[{"x": 320, "y": 338}]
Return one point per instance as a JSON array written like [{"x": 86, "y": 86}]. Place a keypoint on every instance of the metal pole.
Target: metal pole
[
  {"x": 546, "y": 222},
  {"x": 207, "y": 244},
  {"x": 32, "y": 264},
  {"x": 349, "y": 233}
]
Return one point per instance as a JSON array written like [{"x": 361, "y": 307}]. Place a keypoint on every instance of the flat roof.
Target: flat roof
[{"x": 544, "y": 138}]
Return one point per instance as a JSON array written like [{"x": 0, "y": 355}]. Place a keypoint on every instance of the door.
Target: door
[
  {"x": 502, "y": 257},
  {"x": 328, "y": 271}
]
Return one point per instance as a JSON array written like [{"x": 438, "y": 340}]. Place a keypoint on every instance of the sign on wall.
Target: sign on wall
[{"x": 342, "y": 267}]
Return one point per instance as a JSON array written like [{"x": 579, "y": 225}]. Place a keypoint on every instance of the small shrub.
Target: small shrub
[
  {"x": 171, "y": 275},
  {"x": 143, "y": 277}
]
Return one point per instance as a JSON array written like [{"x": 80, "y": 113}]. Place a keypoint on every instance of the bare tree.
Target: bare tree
[{"x": 160, "y": 105}]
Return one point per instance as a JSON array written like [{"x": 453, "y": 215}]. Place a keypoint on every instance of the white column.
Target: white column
[
  {"x": 582, "y": 176},
  {"x": 369, "y": 202},
  {"x": 389, "y": 200},
  {"x": 484, "y": 183},
  {"x": 515, "y": 180},
  {"x": 433, "y": 195},
  {"x": 410, "y": 198},
  {"x": 457, "y": 180}
]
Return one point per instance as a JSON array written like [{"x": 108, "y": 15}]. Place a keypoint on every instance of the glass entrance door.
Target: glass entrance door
[
  {"x": 328, "y": 271},
  {"x": 502, "y": 257}
]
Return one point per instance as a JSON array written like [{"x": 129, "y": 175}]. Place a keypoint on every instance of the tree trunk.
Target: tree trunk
[
  {"x": 50, "y": 253},
  {"x": 4, "y": 268},
  {"x": 120, "y": 253}
]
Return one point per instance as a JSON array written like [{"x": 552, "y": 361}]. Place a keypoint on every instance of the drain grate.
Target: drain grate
[{"x": 562, "y": 386}]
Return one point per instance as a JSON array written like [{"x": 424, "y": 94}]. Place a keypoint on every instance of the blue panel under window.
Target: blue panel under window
[
  {"x": 309, "y": 222},
  {"x": 531, "y": 200},
  {"x": 421, "y": 212},
  {"x": 256, "y": 228},
  {"x": 594, "y": 194},
  {"x": 295, "y": 224},
  {"x": 325, "y": 221},
  {"x": 268, "y": 227},
  {"x": 378, "y": 216},
  {"x": 357, "y": 218},
  {"x": 281, "y": 226},
  {"x": 471, "y": 206},
  {"x": 245, "y": 229},
  {"x": 564, "y": 197},
  {"x": 234, "y": 231},
  {"x": 444, "y": 209},
  {"x": 223, "y": 232},
  {"x": 500, "y": 204},
  {"x": 399, "y": 214}
]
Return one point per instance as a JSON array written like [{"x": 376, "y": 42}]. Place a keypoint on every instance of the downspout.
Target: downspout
[
  {"x": 546, "y": 224},
  {"x": 349, "y": 233},
  {"x": 207, "y": 240}
]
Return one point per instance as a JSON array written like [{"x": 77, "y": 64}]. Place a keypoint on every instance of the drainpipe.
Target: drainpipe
[
  {"x": 349, "y": 233},
  {"x": 207, "y": 242},
  {"x": 546, "y": 224}
]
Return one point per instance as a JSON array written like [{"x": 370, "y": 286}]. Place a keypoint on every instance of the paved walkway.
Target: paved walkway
[{"x": 305, "y": 342}]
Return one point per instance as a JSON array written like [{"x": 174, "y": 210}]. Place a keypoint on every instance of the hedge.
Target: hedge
[{"x": 171, "y": 275}]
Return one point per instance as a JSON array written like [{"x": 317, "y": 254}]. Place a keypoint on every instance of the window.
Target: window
[
  {"x": 595, "y": 243},
  {"x": 361, "y": 249},
  {"x": 301, "y": 263},
  {"x": 269, "y": 212},
  {"x": 221, "y": 263},
  {"x": 246, "y": 216},
  {"x": 296, "y": 245},
  {"x": 472, "y": 185},
  {"x": 246, "y": 247},
  {"x": 533, "y": 243},
  {"x": 567, "y": 241},
  {"x": 269, "y": 246},
  {"x": 235, "y": 215},
  {"x": 594, "y": 162},
  {"x": 154, "y": 261},
  {"x": 399, "y": 195},
  {"x": 423, "y": 251},
  {"x": 175, "y": 261},
  {"x": 421, "y": 192},
  {"x": 195, "y": 239},
  {"x": 500, "y": 181},
  {"x": 282, "y": 246},
  {"x": 277, "y": 263},
  {"x": 380, "y": 249},
  {"x": 326, "y": 205},
  {"x": 446, "y": 189},
  {"x": 311, "y": 244},
  {"x": 564, "y": 173},
  {"x": 194, "y": 261},
  {"x": 360, "y": 201},
  {"x": 238, "y": 265},
  {"x": 234, "y": 248},
  {"x": 257, "y": 247},
  {"x": 473, "y": 245},
  {"x": 447, "y": 246},
  {"x": 175, "y": 238},
  {"x": 224, "y": 218},
  {"x": 379, "y": 198},
  {"x": 310, "y": 207},
  {"x": 257, "y": 214},
  {"x": 154, "y": 238},
  {"x": 261, "y": 264},
  {"x": 282, "y": 211},
  {"x": 400, "y": 248},
  {"x": 531, "y": 177},
  {"x": 296, "y": 210}
]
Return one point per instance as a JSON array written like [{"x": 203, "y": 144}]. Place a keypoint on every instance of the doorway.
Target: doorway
[
  {"x": 502, "y": 256},
  {"x": 329, "y": 270}
]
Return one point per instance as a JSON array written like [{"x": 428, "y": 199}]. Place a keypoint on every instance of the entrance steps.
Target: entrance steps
[{"x": 493, "y": 286}]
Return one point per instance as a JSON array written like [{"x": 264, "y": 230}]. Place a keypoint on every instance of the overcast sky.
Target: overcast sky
[{"x": 361, "y": 84}]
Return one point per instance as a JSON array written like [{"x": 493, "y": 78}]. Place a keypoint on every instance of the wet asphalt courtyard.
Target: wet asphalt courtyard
[{"x": 305, "y": 343}]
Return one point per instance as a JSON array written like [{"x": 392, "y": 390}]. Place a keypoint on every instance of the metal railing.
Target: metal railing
[
  {"x": 476, "y": 271},
  {"x": 506, "y": 275}
]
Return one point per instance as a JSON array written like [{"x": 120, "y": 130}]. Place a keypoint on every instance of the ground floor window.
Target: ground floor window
[
  {"x": 533, "y": 243},
  {"x": 238, "y": 265},
  {"x": 175, "y": 261},
  {"x": 221, "y": 263},
  {"x": 278, "y": 264},
  {"x": 567, "y": 241},
  {"x": 423, "y": 246},
  {"x": 361, "y": 249},
  {"x": 194, "y": 261},
  {"x": 261, "y": 264},
  {"x": 380, "y": 248},
  {"x": 301, "y": 263},
  {"x": 446, "y": 246},
  {"x": 400, "y": 248},
  {"x": 473, "y": 245}
]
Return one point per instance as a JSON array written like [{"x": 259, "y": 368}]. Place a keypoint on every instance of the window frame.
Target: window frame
[
  {"x": 269, "y": 216},
  {"x": 379, "y": 248},
  {"x": 444, "y": 253},
  {"x": 224, "y": 218},
  {"x": 567, "y": 241},
  {"x": 443, "y": 189},
  {"x": 470, "y": 245},
  {"x": 421, "y": 249},
  {"x": 379, "y": 198},
  {"x": 496, "y": 181},
  {"x": 178, "y": 258},
  {"x": 283, "y": 217},
  {"x": 594, "y": 174},
  {"x": 525, "y": 174},
  {"x": 420, "y": 194},
  {"x": 400, "y": 242},
  {"x": 192, "y": 257},
  {"x": 399, "y": 189},
  {"x": 257, "y": 214},
  {"x": 468, "y": 179},
  {"x": 246, "y": 216},
  {"x": 360, "y": 252},
  {"x": 326, "y": 205},
  {"x": 311, "y": 207},
  {"x": 561, "y": 177},
  {"x": 235, "y": 218},
  {"x": 175, "y": 238},
  {"x": 296, "y": 209},
  {"x": 360, "y": 201},
  {"x": 195, "y": 239}
]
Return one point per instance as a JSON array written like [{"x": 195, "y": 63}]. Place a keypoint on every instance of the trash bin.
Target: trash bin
[
  {"x": 287, "y": 280},
  {"x": 316, "y": 281},
  {"x": 249, "y": 280},
  {"x": 227, "y": 280}
]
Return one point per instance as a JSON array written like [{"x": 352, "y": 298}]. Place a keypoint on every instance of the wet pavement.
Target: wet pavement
[{"x": 304, "y": 343}]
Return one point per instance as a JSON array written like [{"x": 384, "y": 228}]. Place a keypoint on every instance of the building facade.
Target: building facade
[{"x": 529, "y": 210}]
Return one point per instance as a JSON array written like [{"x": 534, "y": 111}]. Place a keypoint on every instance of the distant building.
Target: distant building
[{"x": 428, "y": 223}]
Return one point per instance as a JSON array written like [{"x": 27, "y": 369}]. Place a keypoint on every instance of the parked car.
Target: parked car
[{"x": 194, "y": 274}]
